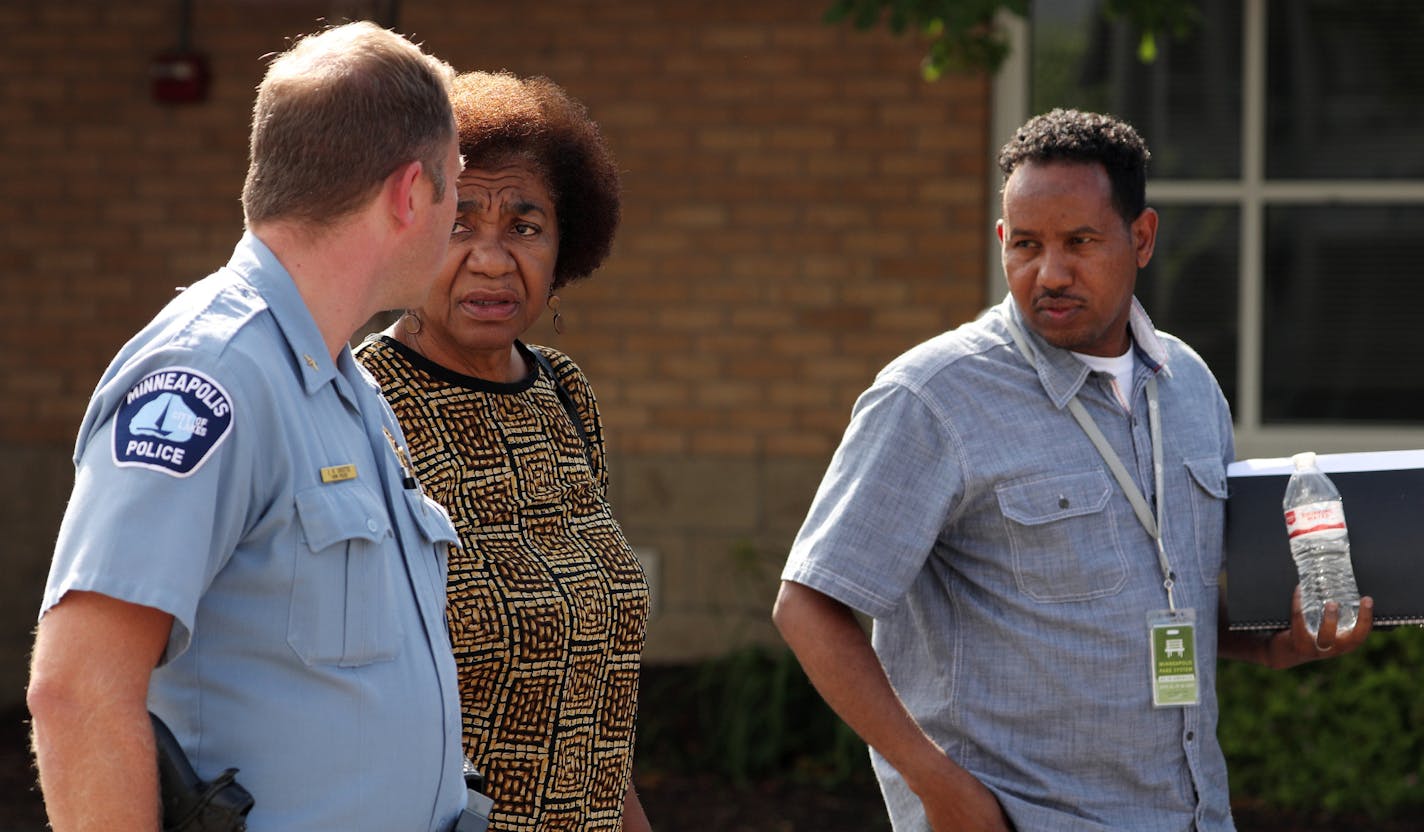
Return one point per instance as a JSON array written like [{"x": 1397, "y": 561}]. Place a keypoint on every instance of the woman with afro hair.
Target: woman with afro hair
[{"x": 547, "y": 603}]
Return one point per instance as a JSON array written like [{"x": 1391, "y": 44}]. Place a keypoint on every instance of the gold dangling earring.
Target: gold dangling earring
[{"x": 553, "y": 304}]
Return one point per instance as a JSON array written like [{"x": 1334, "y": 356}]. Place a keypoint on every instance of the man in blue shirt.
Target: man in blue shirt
[
  {"x": 246, "y": 553},
  {"x": 1030, "y": 507}
]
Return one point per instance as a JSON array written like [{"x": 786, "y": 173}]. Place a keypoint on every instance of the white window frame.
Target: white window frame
[{"x": 1252, "y": 193}]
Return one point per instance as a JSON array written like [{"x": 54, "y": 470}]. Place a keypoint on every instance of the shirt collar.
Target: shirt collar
[
  {"x": 257, "y": 265},
  {"x": 1062, "y": 374}
]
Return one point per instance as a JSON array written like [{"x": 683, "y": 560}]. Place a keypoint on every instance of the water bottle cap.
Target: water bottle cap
[{"x": 1304, "y": 461}]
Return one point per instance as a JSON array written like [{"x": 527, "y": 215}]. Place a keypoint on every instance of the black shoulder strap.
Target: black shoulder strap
[{"x": 567, "y": 400}]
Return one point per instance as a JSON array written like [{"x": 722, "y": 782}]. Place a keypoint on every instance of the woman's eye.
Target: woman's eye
[
  {"x": 525, "y": 229},
  {"x": 458, "y": 228}
]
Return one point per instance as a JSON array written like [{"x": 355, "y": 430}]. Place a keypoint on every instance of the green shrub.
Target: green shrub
[
  {"x": 749, "y": 715},
  {"x": 1342, "y": 737}
]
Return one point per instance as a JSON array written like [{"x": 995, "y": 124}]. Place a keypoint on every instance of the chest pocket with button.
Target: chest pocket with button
[
  {"x": 1207, "y": 477},
  {"x": 435, "y": 527},
  {"x": 1064, "y": 542},
  {"x": 347, "y": 569}
]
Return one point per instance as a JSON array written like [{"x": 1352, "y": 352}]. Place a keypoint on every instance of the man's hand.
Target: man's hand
[
  {"x": 957, "y": 802},
  {"x": 838, "y": 659},
  {"x": 1297, "y": 646},
  {"x": 1288, "y": 648}
]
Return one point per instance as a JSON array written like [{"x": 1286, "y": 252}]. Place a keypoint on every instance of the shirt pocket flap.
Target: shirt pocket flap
[
  {"x": 1054, "y": 498},
  {"x": 1210, "y": 475},
  {"x": 431, "y": 517},
  {"x": 330, "y": 514}
]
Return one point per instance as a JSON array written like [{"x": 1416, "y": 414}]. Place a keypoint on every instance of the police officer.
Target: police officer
[{"x": 245, "y": 552}]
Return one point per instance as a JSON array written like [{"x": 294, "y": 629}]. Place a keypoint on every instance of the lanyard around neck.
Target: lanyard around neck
[{"x": 1129, "y": 488}]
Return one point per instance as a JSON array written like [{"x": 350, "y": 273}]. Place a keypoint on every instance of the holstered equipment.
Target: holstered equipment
[{"x": 191, "y": 804}]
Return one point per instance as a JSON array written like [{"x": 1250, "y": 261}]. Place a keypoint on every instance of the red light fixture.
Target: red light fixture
[{"x": 180, "y": 75}]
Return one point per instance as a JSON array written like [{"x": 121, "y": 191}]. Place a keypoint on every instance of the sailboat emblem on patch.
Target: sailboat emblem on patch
[{"x": 171, "y": 421}]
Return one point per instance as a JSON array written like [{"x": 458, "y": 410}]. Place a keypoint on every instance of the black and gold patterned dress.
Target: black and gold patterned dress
[{"x": 547, "y": 603}]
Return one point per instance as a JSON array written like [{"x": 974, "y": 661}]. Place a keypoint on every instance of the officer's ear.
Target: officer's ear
[{"x": 398, "y": 192}]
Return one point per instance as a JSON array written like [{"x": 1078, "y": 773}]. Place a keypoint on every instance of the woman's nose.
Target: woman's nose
[{"x": 488, "y": 254}]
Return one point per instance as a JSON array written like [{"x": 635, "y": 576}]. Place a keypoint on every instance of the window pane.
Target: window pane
[
  {"x": 1346, "y": 86},
  {"x": 1190, "y": 287},
  {"x": 1342, "y": 314},
  {"x": 1186, "y": 104}
]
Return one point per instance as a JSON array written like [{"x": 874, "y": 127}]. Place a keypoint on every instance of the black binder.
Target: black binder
[{"x": 1383, "y": 494}]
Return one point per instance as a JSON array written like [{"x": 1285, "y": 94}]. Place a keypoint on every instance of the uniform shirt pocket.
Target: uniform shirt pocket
[
  {"x": 435, "y": 527},
  {"x": 344, "y": 578},
  {"x": 1207, "y": 483},
  {"x": 1064, "y": 543}
]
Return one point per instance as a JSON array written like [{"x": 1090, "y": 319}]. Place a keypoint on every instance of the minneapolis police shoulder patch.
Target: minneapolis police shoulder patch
[{"x": 171, "y": 421}]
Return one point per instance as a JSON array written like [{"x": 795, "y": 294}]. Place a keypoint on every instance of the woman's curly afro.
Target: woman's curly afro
[{"x": 501, "y": 116}]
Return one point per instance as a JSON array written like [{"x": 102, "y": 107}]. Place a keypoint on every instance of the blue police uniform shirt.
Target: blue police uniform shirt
[
  {"x": 230, "y": 475},
  {"x": 1010, "y": 581}
]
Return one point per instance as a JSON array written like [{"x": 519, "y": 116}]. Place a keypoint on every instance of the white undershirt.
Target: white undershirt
[{"x": 1120, "y": 367}]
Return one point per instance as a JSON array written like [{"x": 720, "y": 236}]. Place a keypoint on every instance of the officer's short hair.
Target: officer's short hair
[{"x": 335, "y": 115}]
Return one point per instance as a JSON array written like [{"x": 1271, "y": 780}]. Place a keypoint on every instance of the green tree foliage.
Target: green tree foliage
[{"x": 963, "y": 35}]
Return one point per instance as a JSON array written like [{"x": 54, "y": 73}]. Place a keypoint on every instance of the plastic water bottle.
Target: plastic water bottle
[{"x": 1320, "y": 544}]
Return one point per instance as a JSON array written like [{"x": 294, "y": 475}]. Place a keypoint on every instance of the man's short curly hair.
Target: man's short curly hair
[
  {"x": 1074, "y": 136},
  {"x": 501, "y": 117}
]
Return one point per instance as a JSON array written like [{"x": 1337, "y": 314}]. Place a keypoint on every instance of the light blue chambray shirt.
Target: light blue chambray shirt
[
  {"x": 308, "y": 646},
  {"x": 1010, "y": 581}
]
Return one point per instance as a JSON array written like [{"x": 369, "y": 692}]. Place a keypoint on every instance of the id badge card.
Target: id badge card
[{"x": 1172, "y": 642}]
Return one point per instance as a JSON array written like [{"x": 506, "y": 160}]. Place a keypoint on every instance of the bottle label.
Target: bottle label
[{"x": 1315, "y": 517}]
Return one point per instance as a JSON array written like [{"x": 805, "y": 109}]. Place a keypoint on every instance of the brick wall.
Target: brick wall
[{"x": 799, "y": 207}]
